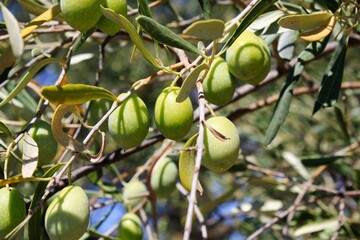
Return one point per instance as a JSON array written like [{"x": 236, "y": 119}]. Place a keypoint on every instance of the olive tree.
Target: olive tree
[{"x": 179, "y": 119}]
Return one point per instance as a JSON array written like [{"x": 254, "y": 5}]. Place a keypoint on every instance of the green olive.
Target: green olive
[
  {"x": 68, "y": 215},
  {"x": 129, "y": 123},
  {"x": 173, "y": 119},
  {"x": 12, "y": 210},
  {"x": 42, "y": 134},
  {"x": 81, "y": 14},
  {"x": 107, "y": 26},
  {"x": 164, "y": 177},
  {"x": 249, "y": 58},
  {"x": 130, "y": 227},
  {"x": 219, "y": 85},
  {"x": 134, "y": 193},
  {"x": 220, "y": 154}
]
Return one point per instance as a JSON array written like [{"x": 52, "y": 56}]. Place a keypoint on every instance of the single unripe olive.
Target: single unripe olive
[
  {"x": 107, "y": 26},
  {"x": 68, "y": 215},
  {"x": 81, "y": 14},
  {"x": 42, "y": 134},
  {"x": 249, "y": 58},
  {"x": 129, "y": 123},
  {"x": 163, "y": 177},
  {"x": 219, "y": 85},
  {"x": 97, "y": 110},
  {"x": 12, "y": 210},
  {"x": 173, "y": 119},
  {"x": 220, "y": 154},
  {"x": 134, "y": 193},
  {"x": 130, "y": 227}
]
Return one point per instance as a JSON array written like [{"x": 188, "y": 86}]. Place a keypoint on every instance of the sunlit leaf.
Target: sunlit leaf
[
  {"x": 305, "y": 21},
  {"x": 316, "y": 227},
  {"x": 44, "y": 17},
  {"x": 264, "y": 20},
  {"x": 164, "y": 35},
  {"x": 30, "y": 156},
  {"x": 206, "y": 29},
  {"x": 130, "y": 29},
  {"x": 12, "y": 26},
  {"x": 189, "y": 82},
  {"x": 75, "y": 93},
  {"x": 27, "y": 77}
]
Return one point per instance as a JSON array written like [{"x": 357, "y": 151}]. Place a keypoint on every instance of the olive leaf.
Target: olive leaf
[
  {"x": 190, "y": 81},
  {"x": 27, "y": 77},
  {"x": 75, "y": 93},
  {"x": 6, "y": 130},
  {"x": 29, "y": 156},
  {"x": 187, "y": 164},
  {"x": 130, "y": 29},
  {"x": 206, "y": 29},
  {"x": 164, "y": 35},
  {"x": 48, "y": 15},
  {"x": 283, "y": 104},
  {"x": 331, "y": 83},
  {"x": 12, "y": 26}
]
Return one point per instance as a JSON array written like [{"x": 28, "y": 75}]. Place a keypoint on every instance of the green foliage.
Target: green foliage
[{"x": 294, "y": 175}]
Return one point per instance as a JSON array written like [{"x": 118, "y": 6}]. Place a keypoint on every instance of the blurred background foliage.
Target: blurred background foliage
[{"x": 266, "y": 180}]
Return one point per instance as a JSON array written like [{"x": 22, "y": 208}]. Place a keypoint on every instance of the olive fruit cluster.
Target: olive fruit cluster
[
  {"x": 130, "y": 227},
  {"x": 12, "y": 210},
  {"x": 68, "y": 215},
  {"x": 85, "y": 14},
  {"x": 249, "y": 58}
]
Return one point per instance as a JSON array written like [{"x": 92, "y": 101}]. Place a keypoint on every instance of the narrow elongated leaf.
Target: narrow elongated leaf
[
  {"x": 30, "y": 156},
  {"x": 283, "y": 104},
  {"x": 266, "y": 19},
  {"x": 331, "y": 84},
  {"x": 206, "y": 29},
  {"x": 27, "y": 77},
  {"x": 75, "y": 93},
  {"x": 187, "y": 164},
  {"x": 48, "y": 15},
  {"x": 144, "y": 8},
  {"x": 315, "y": 161},
  {"x": 20, "y": 179},
  {"x": 33, "y": 7},
  {"x": 6, "y": 130},
  {"x": 189, "y": 82},
  {"x": 164, "y": 35},
  {"x": 12, "y": 26},
  {"x": 259, "y": 7},
  {"x": 305, "y": 21},
  {"x": 205, "y": 7},
  {"x": 130, "y": 29},
  {"x": 316, "y": 227},
  {"x": 36, "y": 230},
  {"x": 7, "y": 59},
  {"x": 286, "y": 44}
]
